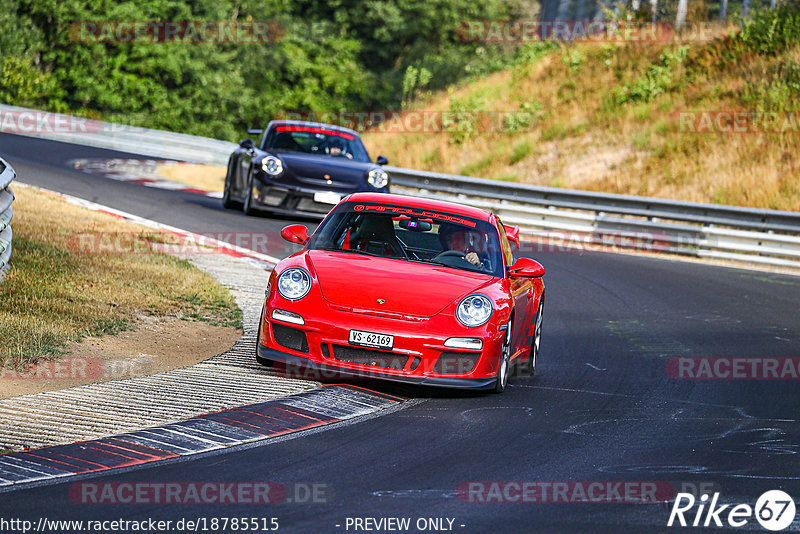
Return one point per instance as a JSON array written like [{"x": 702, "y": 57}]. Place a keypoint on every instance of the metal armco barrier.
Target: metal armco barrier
[
  {"x": 133, "y": 139},
  {"x": 556, "y": 218},
  {"x": 549, "y": 217},
  {"x": 6, "y": 213}
]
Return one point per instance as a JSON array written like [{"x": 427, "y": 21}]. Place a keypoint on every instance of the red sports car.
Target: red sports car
[{"x": 405, "y": 289}]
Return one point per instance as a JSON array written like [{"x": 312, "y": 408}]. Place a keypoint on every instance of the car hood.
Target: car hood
[
  {"x": 313, "y": 168},
  {"x": 408, "y": 288}
]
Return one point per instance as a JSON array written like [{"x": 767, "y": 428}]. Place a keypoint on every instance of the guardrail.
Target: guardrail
[
  {"x": 559, "y": 218},
  {"x": 552, "y": 217},
  {"x": 7, "y": 174},
  {"x": 132, "y": 139}
]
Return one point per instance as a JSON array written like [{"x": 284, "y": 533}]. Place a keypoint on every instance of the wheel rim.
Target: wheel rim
[{"x": 502, "y": 374}]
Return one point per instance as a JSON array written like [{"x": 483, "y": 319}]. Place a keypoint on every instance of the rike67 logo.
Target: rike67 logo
[{"x": 774, "y": 510}]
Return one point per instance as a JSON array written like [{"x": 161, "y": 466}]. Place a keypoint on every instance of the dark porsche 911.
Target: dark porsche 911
[{"x": 301, "y": 168}]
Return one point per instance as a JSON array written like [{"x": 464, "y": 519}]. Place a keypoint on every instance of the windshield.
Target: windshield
[
  {"x": 411, "y": 234},
  {"x": 316, "y": 140}
]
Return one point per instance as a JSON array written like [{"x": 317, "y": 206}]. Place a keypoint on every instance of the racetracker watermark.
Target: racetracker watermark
[
  {"x": 143, "y": 243},
  {"x": 540, "y": 492},
  {"x": 538, "y": 241},
  {"x": 73, "y": 368},
  {"x": 176, "y": 31},
  {"x": 587, "y": 31},
  {"x": 733, "y": 368},
  {"x": 33, "y": 122},
  {"x": 738, "y": 122},
  {"x": 420, "y": 121},
  {"x": 452, "y": 364},
  {"x": 209, "y": 492}
]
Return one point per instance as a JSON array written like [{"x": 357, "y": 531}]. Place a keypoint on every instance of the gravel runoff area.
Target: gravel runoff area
[{"x": 225, "y": 381}]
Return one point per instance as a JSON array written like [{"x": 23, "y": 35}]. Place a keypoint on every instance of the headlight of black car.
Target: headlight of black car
[
  {"x": 378, "y": 178},
  {"x": 272, "y": 165}
]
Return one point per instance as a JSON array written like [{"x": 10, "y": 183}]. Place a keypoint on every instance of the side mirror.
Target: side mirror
[
  {"x": 381, "y": 160},
  {"x": 512, "y": 233},
  {"x": 247, "y": 143},
  {"x": 527, "y": 268},
  {"x": 255, "y": 131},
  {"x": 295, "y": 233}
]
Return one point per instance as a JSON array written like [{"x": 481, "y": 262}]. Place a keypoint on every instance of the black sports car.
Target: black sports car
[{"x": 300, "y": 167}]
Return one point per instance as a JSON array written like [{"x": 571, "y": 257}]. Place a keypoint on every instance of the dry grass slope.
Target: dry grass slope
[{"x": 607, "y": 117}]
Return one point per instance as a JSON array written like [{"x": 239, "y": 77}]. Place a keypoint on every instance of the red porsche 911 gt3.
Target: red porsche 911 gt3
[{"x": 406, "y": 289}]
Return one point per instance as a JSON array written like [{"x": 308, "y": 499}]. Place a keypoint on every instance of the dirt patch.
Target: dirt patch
[
  {"x": 207, "y": 177},
  {"x": 158, "y": 344}
]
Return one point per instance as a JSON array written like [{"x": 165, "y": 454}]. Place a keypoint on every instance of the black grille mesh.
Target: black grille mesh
[
  {"x": 289, "y": 337},
  {"x": 453, "y": 363},
  {"x": 376, "y": 358}
]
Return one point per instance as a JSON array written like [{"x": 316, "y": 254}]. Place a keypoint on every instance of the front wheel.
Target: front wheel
[
  {"x": 505, "y": 361},
  {"x": 263, "y": 361}
]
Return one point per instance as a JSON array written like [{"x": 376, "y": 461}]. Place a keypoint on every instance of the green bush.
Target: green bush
[
  {"x": 658, "y": 79},
  {"x": 772, "y": 31}
]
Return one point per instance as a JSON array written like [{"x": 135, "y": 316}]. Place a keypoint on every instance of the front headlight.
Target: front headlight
[
  {"x": 378, "y": 178},
  {"x": 474, "y": 310},
  {"x": 272, "y": 165},
  {"x": 294, "y": 283}
]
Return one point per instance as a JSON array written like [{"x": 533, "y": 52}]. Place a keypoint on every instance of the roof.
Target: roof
[{"x": 422, "y": 203}]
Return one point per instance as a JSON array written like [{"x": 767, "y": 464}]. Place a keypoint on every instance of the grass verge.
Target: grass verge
[{"x": 57, "y": 292}]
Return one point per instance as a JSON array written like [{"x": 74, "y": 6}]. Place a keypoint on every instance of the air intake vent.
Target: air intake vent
[
  {"x": 371, "y": 357},
  {"x": 456, "y": 363},
  {"x": 289, "y": 337}
]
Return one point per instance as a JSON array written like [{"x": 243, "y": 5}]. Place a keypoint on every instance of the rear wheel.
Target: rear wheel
[
  {"x": 227, "y": 201},
  {"x": 505, "y": 362},
  {"x": 537, "y": 338},
  {"x": 248, "y": 195}
]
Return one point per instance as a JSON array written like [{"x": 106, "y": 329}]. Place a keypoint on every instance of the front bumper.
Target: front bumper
[
  {"x": 289, "y": 198},
  {"x": 320, "y": 370},
  {"x": 418, "y": 356}
]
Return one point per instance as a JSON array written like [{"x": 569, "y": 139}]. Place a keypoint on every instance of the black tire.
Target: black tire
[
  {"x": 503, "y": 368},
  {"x": 260, "y": 359},
  {"x": 227, "y": 201},
  {"x": 537, "y": 339},
  {"x": 247, "y": 207}
]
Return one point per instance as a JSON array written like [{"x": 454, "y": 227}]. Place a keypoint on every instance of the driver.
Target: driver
[
  {"x": 458, "y": 239},
  {"x": 336, "y": 148}
]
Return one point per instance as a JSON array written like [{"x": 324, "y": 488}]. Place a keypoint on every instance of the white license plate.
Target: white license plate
[
  {"x": 371, "y": 339},
  {"x": 327, "y": 197}
]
